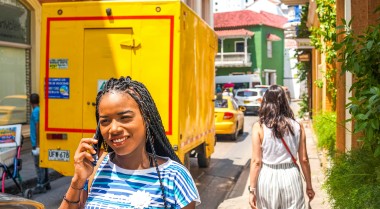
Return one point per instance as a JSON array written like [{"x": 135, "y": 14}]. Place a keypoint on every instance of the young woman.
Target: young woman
[
  {"x": 275, "y": 180},
  {"x": 141, "y": 169}
]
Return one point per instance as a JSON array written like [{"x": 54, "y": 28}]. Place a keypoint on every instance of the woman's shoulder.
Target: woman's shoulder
[
  {"x": 175, "y": 168},
  {"x": 294, "y": 122},
  {"x": 258, "y": 127},
  {"x": 174, "y": 165}
]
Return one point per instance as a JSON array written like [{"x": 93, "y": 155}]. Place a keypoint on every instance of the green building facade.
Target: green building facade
[{"x": 264, "y": 46}]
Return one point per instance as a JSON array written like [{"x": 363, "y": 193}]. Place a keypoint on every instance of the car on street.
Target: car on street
[
  {"x": 264, "y": 88},
  {"x": 13, "y": 109},
  {"x": 229, "y": 117},
  {"x": 250, "y": 99}
]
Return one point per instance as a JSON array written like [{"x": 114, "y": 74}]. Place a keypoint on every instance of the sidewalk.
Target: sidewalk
[{"x": 238, "y": 197}]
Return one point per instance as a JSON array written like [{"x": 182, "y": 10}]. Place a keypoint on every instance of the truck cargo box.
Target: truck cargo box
[{"x": 162, "y": 44}]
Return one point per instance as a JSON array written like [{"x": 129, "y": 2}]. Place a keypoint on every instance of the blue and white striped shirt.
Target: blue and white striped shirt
[{"x": 115, "y": 187}]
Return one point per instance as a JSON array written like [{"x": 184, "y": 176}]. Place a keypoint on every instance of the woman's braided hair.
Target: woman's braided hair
[{"x": 157, "y": 143}]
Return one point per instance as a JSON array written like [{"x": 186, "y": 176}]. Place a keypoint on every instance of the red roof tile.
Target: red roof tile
[
  {"x": 247, "y": 18},
  {"x": 234, "y": 33},
  {"x": 273, "y": 37}
]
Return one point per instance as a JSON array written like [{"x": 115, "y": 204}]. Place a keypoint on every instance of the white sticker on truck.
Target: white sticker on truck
[{"x": 59, "y": 155}]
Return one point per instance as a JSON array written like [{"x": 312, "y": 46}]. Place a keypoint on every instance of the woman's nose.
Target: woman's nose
[{"x": 115, "y": 127}]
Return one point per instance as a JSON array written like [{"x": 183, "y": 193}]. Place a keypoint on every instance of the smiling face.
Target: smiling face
[{"x": 121, "y": 123}]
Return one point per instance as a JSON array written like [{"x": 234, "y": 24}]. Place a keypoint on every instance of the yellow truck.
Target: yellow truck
[{"x": 162, "y": 44}]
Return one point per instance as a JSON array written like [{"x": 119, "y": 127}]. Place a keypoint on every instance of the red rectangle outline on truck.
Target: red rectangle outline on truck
[{"x": 171, "y": 42}]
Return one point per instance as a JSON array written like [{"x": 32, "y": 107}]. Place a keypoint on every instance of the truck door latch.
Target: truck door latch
[{"x": 133, "y": 43}]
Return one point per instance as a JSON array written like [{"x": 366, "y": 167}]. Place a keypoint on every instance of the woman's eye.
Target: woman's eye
[
  {"x": 126, "y": 117},
  {"x": 104, "y": 122}
]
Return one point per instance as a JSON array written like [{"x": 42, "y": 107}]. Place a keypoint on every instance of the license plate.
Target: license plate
[
  {"x": 59, "y": 155},
  {"x": 246, "y": 102}
]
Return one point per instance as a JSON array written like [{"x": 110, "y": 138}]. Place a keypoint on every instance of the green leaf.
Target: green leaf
[
  {"x": 360, "y": 126},
  {"x": 362, "y": 117},
  {"x": 373, "y": 99},
  {"x": 375, "y": 90},
  {"x": 356, "y": 67},
  {"x": 375, "y": 124},
  {"x": 369, "y": 44},
  {"x": 377, "y": 151},
  {"x": 369, "y": 133}
]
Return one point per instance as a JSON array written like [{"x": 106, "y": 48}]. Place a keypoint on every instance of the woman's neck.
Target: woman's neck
[{"x": 132, "y": 161}]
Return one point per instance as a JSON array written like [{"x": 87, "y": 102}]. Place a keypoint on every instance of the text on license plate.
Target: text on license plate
[
  {"x": 59, "y": 155},
  {"x": 246, "y": 101}
]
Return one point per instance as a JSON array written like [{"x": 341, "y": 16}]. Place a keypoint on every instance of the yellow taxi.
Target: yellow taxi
[{"x": 229, "y": 117}]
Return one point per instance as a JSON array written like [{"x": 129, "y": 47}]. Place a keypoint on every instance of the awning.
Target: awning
[
  {"x": 239, "y": 33},
  {"x": 273, "y": 37}
]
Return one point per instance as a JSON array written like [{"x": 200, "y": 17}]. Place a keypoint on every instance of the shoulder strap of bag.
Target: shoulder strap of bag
[
  {"x": 287, "y": 149},
  {"x": 293, "y": 158},
  {"x": 91, "y": 178}
]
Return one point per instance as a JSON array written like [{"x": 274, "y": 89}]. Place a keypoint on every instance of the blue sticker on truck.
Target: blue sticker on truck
[{"x": 59, "y": 88}]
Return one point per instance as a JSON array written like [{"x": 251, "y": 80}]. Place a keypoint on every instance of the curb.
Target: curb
[{"x": 322, "y": 155}]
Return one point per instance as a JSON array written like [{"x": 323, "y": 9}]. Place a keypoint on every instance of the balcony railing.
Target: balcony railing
[
  {"x": 294, "y": 2},
  {"x": 233, "y": 59}
]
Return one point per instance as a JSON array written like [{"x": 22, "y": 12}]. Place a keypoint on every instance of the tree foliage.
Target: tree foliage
[{"x": 361, "y": 56}]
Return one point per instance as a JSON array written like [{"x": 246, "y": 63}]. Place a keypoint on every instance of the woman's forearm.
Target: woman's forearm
[
  {"x": 305, "y": 166},
  {"x": 254, "y": 172},
  {"x": 72, "y": 199}
]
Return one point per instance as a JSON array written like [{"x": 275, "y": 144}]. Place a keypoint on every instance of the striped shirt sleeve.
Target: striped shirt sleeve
[{"x": 185, "y": 190}]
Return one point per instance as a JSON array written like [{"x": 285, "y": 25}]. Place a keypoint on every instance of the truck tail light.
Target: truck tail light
[
  {"x": 228, "y": 115},
  {"x": 56, "y": 136}
]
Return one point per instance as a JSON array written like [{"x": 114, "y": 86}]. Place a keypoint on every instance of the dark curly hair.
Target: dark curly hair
[{"x": 275, "y": 111}]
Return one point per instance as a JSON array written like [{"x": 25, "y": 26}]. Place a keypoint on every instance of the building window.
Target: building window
[
  {"x": 239, "y": 46},
  {"x": 14, "y": 61},
  {"x": 269, "y": 49}
]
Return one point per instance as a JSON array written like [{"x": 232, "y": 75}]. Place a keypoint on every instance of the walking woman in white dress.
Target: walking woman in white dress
[{"x": 275, "y": 179}]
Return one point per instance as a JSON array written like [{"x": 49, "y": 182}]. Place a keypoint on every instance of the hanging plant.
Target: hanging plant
[{"x": 323, "y": 38}]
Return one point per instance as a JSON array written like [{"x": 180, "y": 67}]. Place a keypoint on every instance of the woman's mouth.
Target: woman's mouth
[{"x": 119, "y": 141}]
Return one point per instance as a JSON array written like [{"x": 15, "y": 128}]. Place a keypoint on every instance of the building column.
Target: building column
[
  {"x": 245, "y": 50},
  {"x": 221, "y": 50},
  {"x": 341, "y": 88},
  {"x": 198, "y": 7}
]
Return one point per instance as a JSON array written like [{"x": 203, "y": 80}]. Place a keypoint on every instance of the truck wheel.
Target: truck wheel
[
  {"x": 203, "y": 161},
  {"x": 186, "y": 161}
]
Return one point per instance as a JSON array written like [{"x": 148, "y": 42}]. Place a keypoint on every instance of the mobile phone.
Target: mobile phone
[{"x": 95, "y": 146}]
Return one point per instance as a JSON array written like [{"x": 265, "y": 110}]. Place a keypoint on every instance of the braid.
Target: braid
[
  {"x": 155, "y": 132},
  {"x": 158, "y": 171}
]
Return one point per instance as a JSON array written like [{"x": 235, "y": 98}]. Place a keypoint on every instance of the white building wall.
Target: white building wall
[
  {"x": 231, "y": 5},
  {"x": 204, "y": 9},
  {"x": 290, "y": 74}
]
